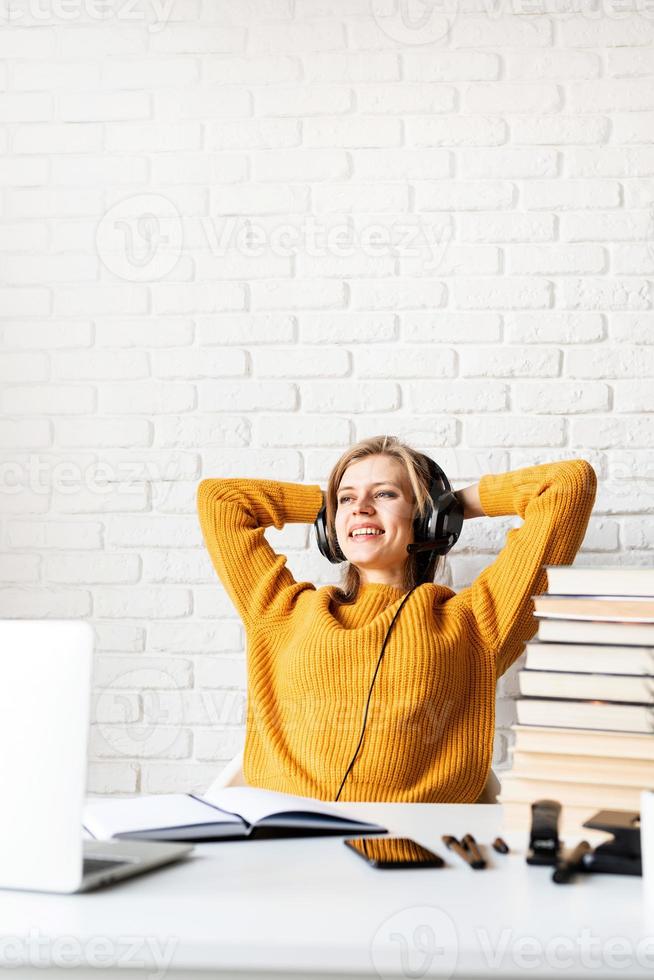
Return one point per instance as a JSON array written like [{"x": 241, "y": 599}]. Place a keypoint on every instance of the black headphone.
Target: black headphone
[{"x": 436, "y": 532}]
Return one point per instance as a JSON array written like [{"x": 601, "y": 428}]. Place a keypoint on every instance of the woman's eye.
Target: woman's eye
[{"x": 388, "y": 493}]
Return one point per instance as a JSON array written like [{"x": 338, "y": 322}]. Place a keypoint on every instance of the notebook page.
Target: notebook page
[
  {"x": 105, "y": 818},
  {"x": 253, "y": 804}
]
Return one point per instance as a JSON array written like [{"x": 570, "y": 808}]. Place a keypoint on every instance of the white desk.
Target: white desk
[{"x": 310, "y": 907}]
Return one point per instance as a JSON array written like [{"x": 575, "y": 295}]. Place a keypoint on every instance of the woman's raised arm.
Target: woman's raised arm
[
  {"x": 555, "y": 501},
  {"x": 469, "y": 499},
  {"x": 233, "y": 516}
]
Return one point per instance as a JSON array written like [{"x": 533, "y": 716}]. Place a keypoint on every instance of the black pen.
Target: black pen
[
  {"x": 566, "y": 866},
  {"x": 470, "y": 845},
  {"x": 453, "y": 845}
]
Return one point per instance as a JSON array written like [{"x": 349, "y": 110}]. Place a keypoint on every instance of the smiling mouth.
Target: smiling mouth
[{"x": 366, "y": 537}]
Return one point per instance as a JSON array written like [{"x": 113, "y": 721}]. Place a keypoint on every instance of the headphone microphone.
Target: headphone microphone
[{"x": 437, "y": 531}]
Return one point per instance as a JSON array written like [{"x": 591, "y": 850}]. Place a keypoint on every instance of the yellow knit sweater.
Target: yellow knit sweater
[{"x": 310, "y": 661}]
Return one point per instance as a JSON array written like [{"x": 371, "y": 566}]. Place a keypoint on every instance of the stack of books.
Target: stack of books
[{"x": 585, "y": 732}]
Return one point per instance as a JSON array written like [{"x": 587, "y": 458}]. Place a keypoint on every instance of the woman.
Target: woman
[{"x": 312, "y": 652}]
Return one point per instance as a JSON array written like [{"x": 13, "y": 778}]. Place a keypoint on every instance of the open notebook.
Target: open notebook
[{"x": 222, "y": 813}]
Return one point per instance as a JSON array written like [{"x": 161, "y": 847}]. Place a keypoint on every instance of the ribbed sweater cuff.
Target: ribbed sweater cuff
[
  {"x": 301, "y": 502},
  {"x": 496, "y": 494}
]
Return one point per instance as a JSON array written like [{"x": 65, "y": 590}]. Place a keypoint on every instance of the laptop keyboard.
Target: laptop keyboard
[{"x": 93, "y": 865}]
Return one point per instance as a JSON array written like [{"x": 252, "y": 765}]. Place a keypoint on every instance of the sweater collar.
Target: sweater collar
[
  {"x": 375, "y": 596},
  {"x": 372, "y": 600},
  {"x": 372, "y": 587}
]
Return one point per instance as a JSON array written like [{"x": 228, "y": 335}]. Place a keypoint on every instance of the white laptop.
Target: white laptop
[{"x": 45, "y": 691}]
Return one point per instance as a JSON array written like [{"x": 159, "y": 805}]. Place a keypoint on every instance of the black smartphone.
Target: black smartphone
[{"x": 394, "y": 852}]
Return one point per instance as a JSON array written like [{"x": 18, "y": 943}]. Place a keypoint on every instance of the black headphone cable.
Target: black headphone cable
[{"x": 365, "y": 716}]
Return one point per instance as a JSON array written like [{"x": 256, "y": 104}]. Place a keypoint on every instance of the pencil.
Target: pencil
[
  {"x": 470, "y": 845},
  {"x": 567, "y": 866},
  {"x": 453, "y": 845}
]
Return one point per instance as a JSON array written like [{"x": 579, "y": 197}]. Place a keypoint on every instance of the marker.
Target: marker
[
  {"x": 453, "y": 845},
  {"x": 567, "y": 866},
  {"x": 470, "y": 845},
  {"x": 500, "y": 846}
]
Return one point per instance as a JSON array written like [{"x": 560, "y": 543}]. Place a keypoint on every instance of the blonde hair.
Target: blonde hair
[{"x": 418, "y": 473}]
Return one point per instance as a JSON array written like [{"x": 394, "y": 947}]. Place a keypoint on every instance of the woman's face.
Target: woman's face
[{"x": 376, "y": 491}]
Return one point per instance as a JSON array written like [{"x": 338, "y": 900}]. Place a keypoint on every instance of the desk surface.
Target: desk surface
[{"x": 251, "y": 909}]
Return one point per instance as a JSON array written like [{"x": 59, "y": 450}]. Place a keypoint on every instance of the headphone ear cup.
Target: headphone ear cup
[
  {"x": 443, "y": 520},
  {"x": 447, "y": 521},
  {"x": 421, "y": 526},
  {"x": 450, "y": 518},
  {"x": 324, "y": 547}
]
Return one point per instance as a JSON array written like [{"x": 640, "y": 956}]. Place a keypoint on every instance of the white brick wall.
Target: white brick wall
[{"x": 239, "y": 235}]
